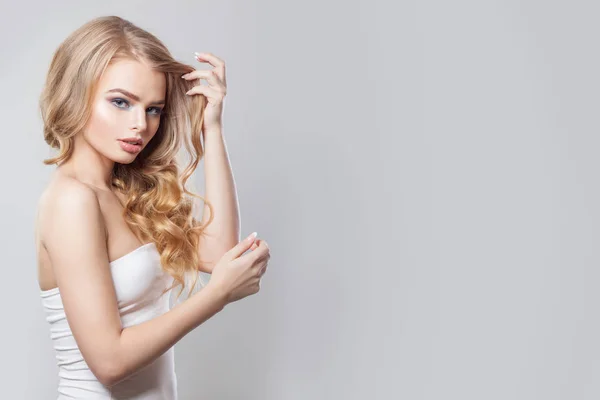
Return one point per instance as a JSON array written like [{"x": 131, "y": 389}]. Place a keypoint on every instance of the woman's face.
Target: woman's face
[{"x": 128, "y": 102}]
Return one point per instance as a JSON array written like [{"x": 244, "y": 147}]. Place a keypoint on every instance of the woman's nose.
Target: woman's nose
[{"x": 139, "y": 120}]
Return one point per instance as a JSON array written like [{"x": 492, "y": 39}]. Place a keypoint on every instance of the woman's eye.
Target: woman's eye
[{"x": 119, "y": 101}]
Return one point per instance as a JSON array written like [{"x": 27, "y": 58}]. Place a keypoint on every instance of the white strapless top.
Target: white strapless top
[{"x": 139, "y": 281}]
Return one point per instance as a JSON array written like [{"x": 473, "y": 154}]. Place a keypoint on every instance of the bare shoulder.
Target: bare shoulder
[
  {"x": 64, "y": 196},
  {"x": 64, "y": 189}
]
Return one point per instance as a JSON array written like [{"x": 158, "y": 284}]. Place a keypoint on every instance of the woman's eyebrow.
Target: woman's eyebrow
[{"x": 133, "y": 96}]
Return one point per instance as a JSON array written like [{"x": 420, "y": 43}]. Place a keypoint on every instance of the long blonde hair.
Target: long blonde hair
[{"x": 156, "y": 205}]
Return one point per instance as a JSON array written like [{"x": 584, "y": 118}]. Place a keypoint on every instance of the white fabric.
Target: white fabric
[{"x": 139, "y": 281}]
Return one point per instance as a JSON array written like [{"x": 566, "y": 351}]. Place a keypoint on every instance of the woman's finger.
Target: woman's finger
[
  {"x": 215, "y": 62},
  {"x": 211, "y": 77},
  {"x": 212, "y": 95}
]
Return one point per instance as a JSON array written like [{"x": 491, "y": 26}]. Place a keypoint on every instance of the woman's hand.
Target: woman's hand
[
  {"x": 238, "y": 274},
  {"x": 214, "y": 92}
]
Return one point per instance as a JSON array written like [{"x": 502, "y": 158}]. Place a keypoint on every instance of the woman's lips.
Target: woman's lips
[{"x": 130, "y": 148}]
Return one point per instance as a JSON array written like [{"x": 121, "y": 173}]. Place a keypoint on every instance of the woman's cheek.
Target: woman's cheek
[
  {"x": 107, "y": 123},
  {"x": 102, "y": 127},
  {"x": 111, "y": 118}
]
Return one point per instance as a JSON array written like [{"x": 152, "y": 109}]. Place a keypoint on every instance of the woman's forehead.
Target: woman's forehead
[{"x": 134, "y": 77}]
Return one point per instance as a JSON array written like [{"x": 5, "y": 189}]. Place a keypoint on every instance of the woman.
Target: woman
[{"x": 115, "y": 232}]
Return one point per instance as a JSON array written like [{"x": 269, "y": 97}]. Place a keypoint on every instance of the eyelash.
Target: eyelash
[{"x": 158, "y": 112}]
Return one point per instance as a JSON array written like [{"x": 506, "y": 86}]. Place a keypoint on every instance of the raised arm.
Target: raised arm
[{"x": 76, "y": 244}]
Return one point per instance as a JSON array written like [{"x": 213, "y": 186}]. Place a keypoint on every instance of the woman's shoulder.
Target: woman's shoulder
[{"x": 62, "y": 191}]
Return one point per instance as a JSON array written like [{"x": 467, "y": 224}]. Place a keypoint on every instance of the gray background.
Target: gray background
[{"x": 425, "y": 173}]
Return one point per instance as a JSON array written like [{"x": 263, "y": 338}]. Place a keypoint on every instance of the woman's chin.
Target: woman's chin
[{"x": 126, "y": 158}]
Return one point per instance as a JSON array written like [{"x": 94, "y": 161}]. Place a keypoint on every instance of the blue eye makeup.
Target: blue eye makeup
[{"x": 119, "y": 101}]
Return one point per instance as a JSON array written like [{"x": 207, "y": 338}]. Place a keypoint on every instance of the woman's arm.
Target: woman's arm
[
  {"x": 141, "y": 344},
  {"x": 223, "y": 232},
  {"x": 76, "y": 243}
]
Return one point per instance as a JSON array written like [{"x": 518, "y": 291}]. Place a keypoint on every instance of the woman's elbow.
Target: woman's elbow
[{"x": 108, "y": 374}]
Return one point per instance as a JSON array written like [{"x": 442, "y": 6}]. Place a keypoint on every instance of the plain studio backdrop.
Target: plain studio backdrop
[{"x": 425, "y": 172}]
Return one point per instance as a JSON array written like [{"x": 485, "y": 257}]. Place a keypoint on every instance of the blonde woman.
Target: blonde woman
[{"x": 115, "y": 231}]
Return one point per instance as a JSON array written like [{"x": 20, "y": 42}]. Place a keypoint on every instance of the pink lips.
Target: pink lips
[{"x": 130, "y": 148}]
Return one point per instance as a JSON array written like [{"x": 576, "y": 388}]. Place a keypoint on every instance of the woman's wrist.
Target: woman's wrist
[{"x": 217, "y": 292}]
